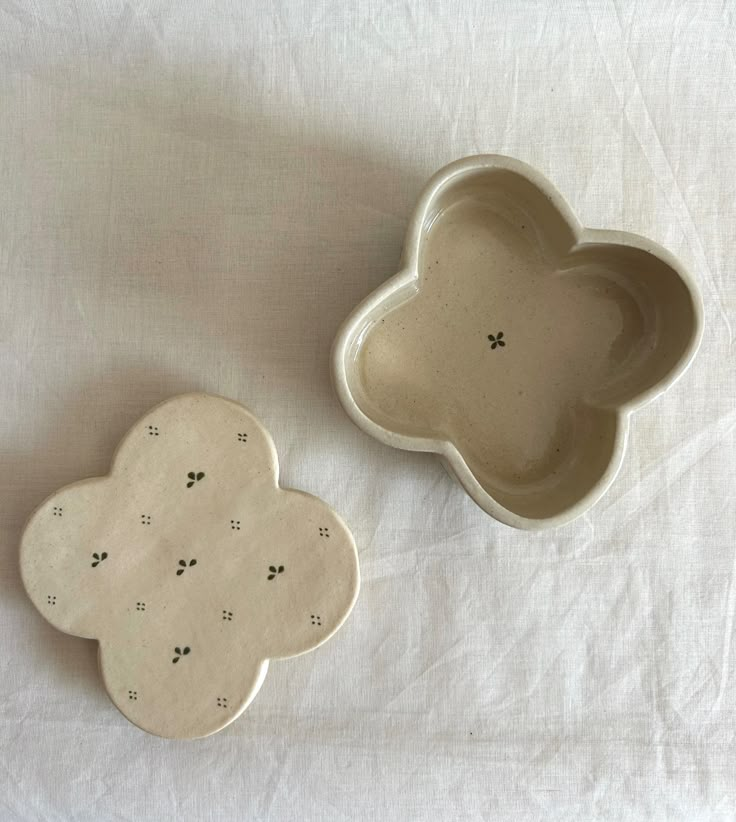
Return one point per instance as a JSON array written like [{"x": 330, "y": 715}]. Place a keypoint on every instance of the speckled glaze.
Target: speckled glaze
[{"x": 515, "y": 343}]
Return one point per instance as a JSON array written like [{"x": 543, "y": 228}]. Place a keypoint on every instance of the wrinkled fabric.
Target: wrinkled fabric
[{"x": 193, "y": 196}]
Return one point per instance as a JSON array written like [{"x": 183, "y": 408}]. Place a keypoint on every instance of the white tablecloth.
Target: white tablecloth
[{"x": 193, "y": 195}]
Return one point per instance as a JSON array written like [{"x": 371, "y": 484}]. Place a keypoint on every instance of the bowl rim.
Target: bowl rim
[{"x": 408, "y": 276}]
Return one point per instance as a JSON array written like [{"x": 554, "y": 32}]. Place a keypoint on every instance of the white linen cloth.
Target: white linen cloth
[{"x": 193, "y": 195}]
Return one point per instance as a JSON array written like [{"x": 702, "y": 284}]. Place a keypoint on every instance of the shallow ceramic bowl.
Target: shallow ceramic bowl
[{"x": 515, "y": 343}]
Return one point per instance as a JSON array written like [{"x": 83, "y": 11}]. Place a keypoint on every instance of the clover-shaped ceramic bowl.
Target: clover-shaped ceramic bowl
[
  {"x": 190, "y": 566},
  {"x": 515, "y": 343}
]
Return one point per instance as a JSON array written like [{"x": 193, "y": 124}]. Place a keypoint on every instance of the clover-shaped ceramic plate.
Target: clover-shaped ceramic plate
[
  {"x": 190, "y": 566},
  {"x": 515, "y": 343}
]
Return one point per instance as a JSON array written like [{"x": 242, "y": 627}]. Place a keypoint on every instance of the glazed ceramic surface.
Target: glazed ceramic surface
[
  {"x": 190, "y": 566},
  {"x": 515, "y": 343}
]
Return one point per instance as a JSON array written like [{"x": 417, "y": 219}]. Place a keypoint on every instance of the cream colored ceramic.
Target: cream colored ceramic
[
  {"x": 190, "y": 566},
  {"x": 515, "y": 343}
]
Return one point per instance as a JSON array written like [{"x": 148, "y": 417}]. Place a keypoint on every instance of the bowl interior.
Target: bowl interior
[{"x": 517, "y": 345}]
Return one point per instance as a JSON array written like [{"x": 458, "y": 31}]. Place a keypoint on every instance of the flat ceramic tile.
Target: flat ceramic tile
[{"x": 190, "y": 566}]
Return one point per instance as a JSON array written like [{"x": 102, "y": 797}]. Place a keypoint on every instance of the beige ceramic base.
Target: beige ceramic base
[
  {"x": 515, "y": 343},
  {"x": 190, "y": 566}
]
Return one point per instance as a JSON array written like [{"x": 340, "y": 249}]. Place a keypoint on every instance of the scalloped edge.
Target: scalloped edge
[
  {"x": 408, "y": 276},
  {"x": 263, "y": 664}
]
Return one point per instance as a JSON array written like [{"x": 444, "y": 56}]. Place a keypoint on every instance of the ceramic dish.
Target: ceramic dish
[
  {"x": 190, "y": 566},
  {"x": 515, "y": 343}
]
